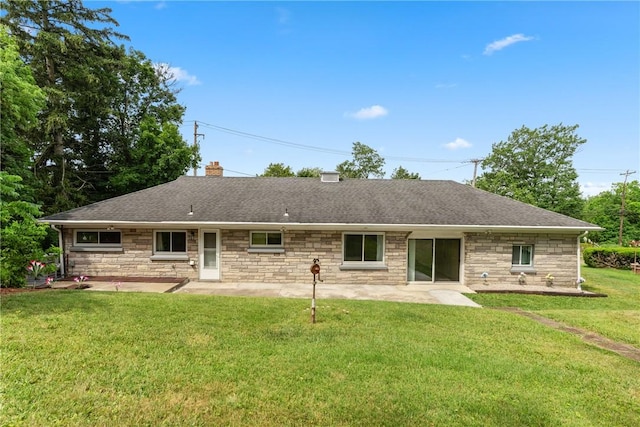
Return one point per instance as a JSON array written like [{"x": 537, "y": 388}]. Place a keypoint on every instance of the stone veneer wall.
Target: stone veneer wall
[
  {"x": 554, "y": 254},
  {"x": 237, "y": 264},
  {"x": 491, "y": 253},
  {"x": 134, "y": 260},
  {"x": 301, "y": 247}
]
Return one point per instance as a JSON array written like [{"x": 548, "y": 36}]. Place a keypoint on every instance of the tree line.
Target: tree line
[{"x": 534, "y": 166}]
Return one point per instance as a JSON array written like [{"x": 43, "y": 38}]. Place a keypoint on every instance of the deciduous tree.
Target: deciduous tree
[
  {"x": 278, "y": 170},
  {"x": 535, "y": 166},
  {"x": 402, "y": 173},
  {"x": 20, "y": 101},
  {"x": 604, "y": 210},
  {"x": 309, "y": 173},
  {"x": 21, "y": 236},
  {"x": 366, "y": 162}
]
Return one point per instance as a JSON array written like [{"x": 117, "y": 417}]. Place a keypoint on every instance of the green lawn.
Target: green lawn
[
  {"x": 90, "y": 358},
  {"x": 617, "y": 317}
]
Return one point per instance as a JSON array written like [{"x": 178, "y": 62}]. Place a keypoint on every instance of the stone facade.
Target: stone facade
[
  {"x": 133, "y": 260},
  {"x": 301, "y": 247},
  {"x": 554, "y": 254}
]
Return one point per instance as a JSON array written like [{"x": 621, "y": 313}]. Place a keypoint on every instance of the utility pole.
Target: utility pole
[
  {"x": 475, "y": 170},
  {"x": 195, "y": 143},
  {"x": 624, "y": 193}
]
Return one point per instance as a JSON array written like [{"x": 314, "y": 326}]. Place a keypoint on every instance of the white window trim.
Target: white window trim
[
  {"x": 524, "y": 268},
  {"x": 79, "y": 246},
  {"x": 266, "y": 248},
  {"x": 364, "y": 265}
]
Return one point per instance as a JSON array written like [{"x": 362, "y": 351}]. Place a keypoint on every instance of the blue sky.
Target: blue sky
[{"x": 428, "y": 85}]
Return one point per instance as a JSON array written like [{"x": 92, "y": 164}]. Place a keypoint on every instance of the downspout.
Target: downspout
[
  {"x": 578, "y": 284},
  {"x": 61, "y": 246}
]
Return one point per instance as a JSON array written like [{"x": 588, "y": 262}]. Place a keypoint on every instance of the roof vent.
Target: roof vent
[{"x": 329, "y": 177}]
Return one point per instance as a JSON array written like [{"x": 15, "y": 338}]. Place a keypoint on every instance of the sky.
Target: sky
[{"x": 429, "y": 85}]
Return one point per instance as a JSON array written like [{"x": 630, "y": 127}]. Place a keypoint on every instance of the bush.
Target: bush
[{"x": 613, "y": 257}]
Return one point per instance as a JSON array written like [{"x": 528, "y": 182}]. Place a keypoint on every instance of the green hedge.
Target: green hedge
[{"x": 613, "y": 257}]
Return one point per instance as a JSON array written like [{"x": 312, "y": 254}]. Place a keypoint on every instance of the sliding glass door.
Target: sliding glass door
[{"x": 433, "y": 260}]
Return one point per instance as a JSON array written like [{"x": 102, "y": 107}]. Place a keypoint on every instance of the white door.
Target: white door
[{"x": 209, "y": 255}]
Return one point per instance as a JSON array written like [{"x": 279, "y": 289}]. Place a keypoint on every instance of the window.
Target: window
[
  {"x": 522, "y": 255},
  {"x": 98, "y": 238},
  {"x": 363, "y": 248},
  {"x": 170, "y": 242},
  {"x": 266, "y": 239}
]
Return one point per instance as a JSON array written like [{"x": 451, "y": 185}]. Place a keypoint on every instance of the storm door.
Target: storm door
[{"x": 209, "y": 255}]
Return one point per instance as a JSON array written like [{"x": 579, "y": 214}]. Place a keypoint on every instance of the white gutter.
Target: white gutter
[
  {"x": 578, "y": 284},
  {"x": 60, "y": 245},
  {"x": 320, "y": 226}
]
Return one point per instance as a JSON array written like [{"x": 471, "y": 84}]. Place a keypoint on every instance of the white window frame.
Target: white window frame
[
  {"x": 362, "y": 264},
  {"x": 267, "y": 247},
  {"x": 519, "y": 264},
  {"x": 79, "y": 245},
  {"x": 523, "y": 267}
]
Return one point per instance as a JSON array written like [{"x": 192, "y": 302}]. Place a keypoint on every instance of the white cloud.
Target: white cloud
[
  {"x": 284, "y": 15},
  {"x": 594, "y": 188},
  {"x": 457, "y": 144},
  {"x": 507, "y": 41},
  {"x": 446, "y": 85},
  {"x": 179, "y": 75},
  {"x": 368, "y": 113},
  {"x": 161, "y": 5}
]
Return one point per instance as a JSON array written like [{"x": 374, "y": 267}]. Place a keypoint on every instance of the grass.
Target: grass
[
  {"x": 616, "y": 317},
  {"x": 88, "y": 358}
]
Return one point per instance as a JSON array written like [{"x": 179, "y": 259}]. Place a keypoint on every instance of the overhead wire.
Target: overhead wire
[
  {"x": 307, "y": 147},
  {"x": 314, "y": 148}
]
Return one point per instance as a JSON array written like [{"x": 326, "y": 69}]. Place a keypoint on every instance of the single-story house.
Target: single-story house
[{"x": 363, "y": 231}]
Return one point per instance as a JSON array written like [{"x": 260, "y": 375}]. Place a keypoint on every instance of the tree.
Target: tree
[
  {"x": 366, "y": 161},
  {"x": 402, "y": 173},
  {"x": 100, "y": 100},
  {"x": 158, "y": 154},
  {"x": 141, "y": 129},
  {"x": 21, "y": 236},
  {"x": 279, "y": 170},
  {"x": 20, "y": 101},
  {"x": 309, "y": 173},
  {"x": 604, "y": 210},
  {"x": 67, "y": 47},
  {"x": 535, "y": 166}
]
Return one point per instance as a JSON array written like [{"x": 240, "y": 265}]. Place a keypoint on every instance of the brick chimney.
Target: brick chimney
[{"x": 213, "y": 169}]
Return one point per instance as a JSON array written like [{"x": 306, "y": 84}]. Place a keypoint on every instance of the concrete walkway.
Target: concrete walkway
[{"x": 423, "y": 294}]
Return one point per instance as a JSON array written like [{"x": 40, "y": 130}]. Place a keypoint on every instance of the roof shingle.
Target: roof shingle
[{"x": 310, "y": 201}]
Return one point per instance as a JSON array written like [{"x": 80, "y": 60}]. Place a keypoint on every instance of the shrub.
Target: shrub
[{"x": 613, "y": 257}]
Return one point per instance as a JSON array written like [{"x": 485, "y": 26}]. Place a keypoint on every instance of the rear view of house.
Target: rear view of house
[{"x": 268, "y": 230}]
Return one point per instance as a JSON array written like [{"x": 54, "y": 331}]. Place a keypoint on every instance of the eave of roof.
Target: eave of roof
[
  {"x": 207, "y": 202},
  {"x": 318, "y": 226}
]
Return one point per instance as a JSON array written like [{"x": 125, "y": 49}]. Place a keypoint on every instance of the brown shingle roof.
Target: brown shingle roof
[{"x": 310, "y": 201}]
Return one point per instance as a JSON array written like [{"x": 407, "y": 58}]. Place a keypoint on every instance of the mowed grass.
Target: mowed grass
[
  {"x": 103, "y": 359},
  {"x": 616, "y": 317}
]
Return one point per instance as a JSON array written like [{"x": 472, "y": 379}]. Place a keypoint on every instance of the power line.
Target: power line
[{"x": 315, "y": 148}]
